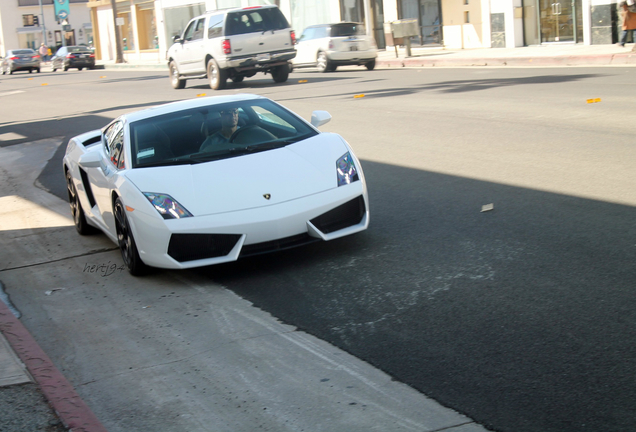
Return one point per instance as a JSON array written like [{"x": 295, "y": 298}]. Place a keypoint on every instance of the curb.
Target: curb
[
  {"x": 70, "y": 408},
  {"x": 584, "y": 60}
]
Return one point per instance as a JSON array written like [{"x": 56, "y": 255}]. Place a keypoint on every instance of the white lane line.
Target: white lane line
[{"x": 11, "y": 93}]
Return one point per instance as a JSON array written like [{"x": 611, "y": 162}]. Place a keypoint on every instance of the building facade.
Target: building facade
[
  {"x": 28, "y": 23},
  {"x": 146, "y": 27}
]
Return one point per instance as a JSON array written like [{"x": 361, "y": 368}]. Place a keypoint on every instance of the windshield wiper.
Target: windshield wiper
[{"x": 169, "y": 162}]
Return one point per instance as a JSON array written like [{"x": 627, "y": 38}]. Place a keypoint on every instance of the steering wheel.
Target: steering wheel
[
  {"x": 254, "y": 134},
  {"x": 240, "y": 131}
]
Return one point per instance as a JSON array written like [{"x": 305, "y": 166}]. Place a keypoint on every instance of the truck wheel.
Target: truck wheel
[
  {"x": 216, "y": 75},
  {"x": 371, "y": 65},
  {"x": 177, "y": 83},
  {"x": 280, "y": 73}
]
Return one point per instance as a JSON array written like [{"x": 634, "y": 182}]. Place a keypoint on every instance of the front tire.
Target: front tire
[
  {"x": 79, "y": 218},
  {"x": 371, "y": 65},
  {"x": 216, "y": 75},
  {"x": 177, "y": 83},
  {"x": 280, "y": 73},
  {"x": 126, "y": 241}
]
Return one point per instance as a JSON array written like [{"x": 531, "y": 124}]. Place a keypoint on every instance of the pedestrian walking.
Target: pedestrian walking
[
  {"x": 44, "y": 51},
  {"x": 629, "y": 23}
]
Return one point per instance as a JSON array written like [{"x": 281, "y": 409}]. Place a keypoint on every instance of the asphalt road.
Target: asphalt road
[{"x": 521, "y": 317}]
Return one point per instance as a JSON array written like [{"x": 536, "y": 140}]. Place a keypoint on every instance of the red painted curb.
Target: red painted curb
[{"x": 71, "y": 409}]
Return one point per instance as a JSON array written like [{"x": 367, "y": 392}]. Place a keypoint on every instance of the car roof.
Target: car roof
[
  {"x": 235, "y": 9},
  {"x": 187, "y": 104}
]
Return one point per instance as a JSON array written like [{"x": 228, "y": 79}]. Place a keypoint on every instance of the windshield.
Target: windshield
[
  {"x": 214, "y": 132},
  {"x": 24, "y": 51},
  {"x": 347, "y": 29}
]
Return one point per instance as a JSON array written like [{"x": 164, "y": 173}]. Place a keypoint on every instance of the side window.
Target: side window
[
  {"x": 308, "y": 34},
  {"x": 198, "y": 30},
  {"x": 115, "y": 144},
  {"x": 194, "y": 30},
  {"x": 215, "y": 26}
]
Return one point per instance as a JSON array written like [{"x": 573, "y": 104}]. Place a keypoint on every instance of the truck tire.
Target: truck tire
[
  {"x": 177, "y": 83},
  {"x": 280, "y": 73},
  {"x": 216, "y": 76}
]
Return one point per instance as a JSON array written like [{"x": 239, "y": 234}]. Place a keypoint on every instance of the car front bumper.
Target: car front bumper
[{"x": 247, "y": 232}]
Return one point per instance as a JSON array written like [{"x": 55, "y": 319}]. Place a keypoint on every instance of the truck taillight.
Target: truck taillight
[
  {"x": 225, "y": 45},
  {"x": 331, "y": 44},
  {"x": 293, "y": 37}
]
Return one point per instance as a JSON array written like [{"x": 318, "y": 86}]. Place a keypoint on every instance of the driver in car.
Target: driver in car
[{"x": 229, "y": 125}]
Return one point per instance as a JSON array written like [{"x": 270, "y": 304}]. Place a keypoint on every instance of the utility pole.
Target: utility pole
[
  {"x": 118, "y": 49},
  {"x": 43, "y": 26}
]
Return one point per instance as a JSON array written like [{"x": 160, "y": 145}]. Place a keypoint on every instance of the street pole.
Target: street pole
[
  {"x": 118, "y": 49},
  {"x": 43, "y": 25}
]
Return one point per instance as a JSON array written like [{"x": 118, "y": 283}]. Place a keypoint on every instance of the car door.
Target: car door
[
  {"x": 103, "y": 179},
  {"x": 191, "y": 55},
  {"x": 304, "y": 52}
]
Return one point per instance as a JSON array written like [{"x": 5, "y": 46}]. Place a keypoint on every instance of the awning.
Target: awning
[{"x": 29, "y": 29}]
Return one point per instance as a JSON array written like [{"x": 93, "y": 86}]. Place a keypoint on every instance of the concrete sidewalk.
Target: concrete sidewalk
[
  {"x": 554, "y": 55},
  {"x": 275, "y": 368}
]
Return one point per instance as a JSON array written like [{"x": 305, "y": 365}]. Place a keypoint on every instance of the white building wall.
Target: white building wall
[{"x": 11, "y": 24}]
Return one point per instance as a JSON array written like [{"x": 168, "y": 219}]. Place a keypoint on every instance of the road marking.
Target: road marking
[{"x": 11, "y": 93}]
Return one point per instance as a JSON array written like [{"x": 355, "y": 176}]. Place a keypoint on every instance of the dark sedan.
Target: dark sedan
[
  {"x": 21, "y": 59},
  {"x": 67, "y": 57}
]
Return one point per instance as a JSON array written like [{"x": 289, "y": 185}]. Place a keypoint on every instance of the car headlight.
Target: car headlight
[
  {"x": 167, "y": 206},
  {"x": 346, "y": 170}
]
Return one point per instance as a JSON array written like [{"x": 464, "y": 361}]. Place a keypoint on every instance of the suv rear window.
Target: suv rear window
[
  {"x": 347, "y": 30},
  {"x": 255, "y": 20}
]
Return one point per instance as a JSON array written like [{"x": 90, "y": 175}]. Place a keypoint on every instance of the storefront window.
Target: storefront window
[
  {"x": 223, "y": 4},
  {"x": 176, "y": 19},
  {"x": 146, "y": 25},
  {"x": 309, "y": 12}
]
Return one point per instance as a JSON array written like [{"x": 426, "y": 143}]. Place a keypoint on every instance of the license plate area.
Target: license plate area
[{"x": 263, "y": 57}]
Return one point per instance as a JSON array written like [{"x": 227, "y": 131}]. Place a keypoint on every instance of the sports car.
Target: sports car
[{"x": 210, "y": 180}]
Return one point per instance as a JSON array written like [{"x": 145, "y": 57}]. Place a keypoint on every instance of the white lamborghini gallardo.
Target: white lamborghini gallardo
[{"x": 210, "y": 180}]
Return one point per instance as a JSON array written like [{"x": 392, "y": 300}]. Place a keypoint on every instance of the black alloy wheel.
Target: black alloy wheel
[
  {"x": 79, "y": 218},
  {"x": 126, "y": 241}
]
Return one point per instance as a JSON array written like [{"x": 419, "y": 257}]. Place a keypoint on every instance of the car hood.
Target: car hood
[{"x": 298, "y": 170}]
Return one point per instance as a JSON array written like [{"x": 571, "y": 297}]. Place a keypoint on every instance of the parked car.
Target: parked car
[
  {"x": 21, "y": 59},
  {"x": 172, "y": 190},
  {"x": 233, "y": 44},
  {"x": 79, "y": 57},
  {"x": 328, "y": 46}
]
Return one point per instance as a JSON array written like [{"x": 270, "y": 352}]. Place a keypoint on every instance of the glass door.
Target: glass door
[{"x": 557, "y": 20}]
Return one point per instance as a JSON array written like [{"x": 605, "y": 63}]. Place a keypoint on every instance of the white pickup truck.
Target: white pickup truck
[{"x": 234, "y": 44}]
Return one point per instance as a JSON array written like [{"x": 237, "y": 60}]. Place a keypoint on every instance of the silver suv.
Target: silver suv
[{"x": 234, "y": 44}]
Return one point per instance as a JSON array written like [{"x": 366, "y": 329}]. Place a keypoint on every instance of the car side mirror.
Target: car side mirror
[
  {"x": 319, "y": 118},
  {"x": 176, "y": 39},
  {"x": 90, "y": 160}
]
